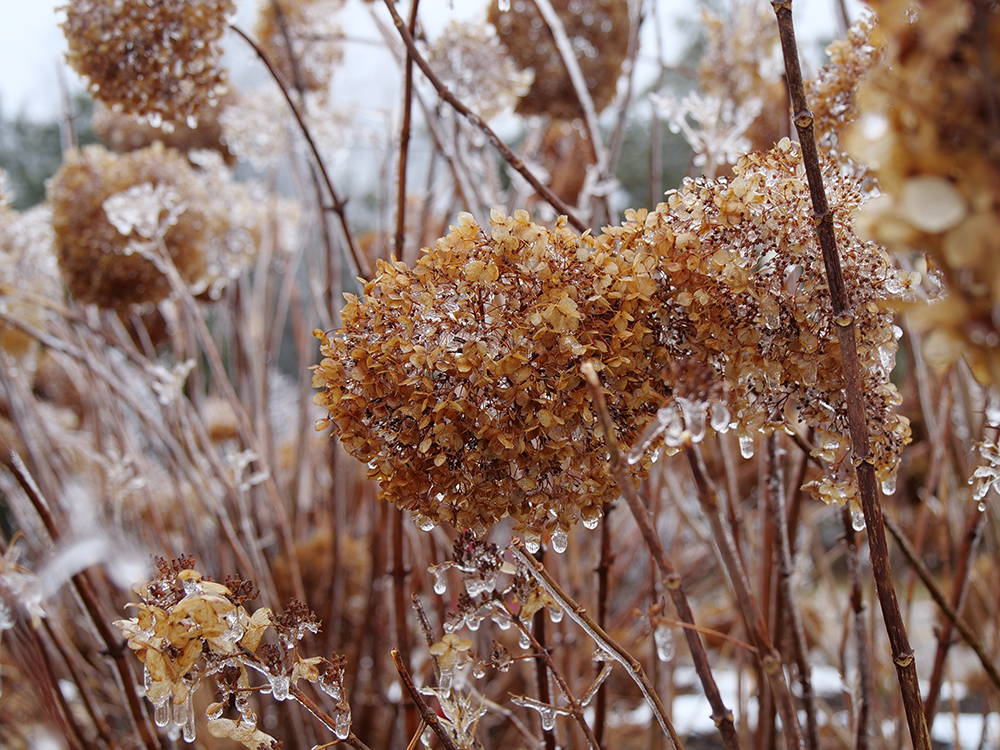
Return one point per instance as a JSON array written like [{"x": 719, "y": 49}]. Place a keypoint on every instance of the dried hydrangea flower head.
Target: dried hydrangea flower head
[
  {"x": 832, "y": 93},
  {"x": 107, "y": 209},
  {"x": 308, "y": 26},
  {"x": 746, "y": 277},
  {"x": 156, "y": 59},
  {"x": 188, "y": 629},
  {"x": 742, "y": 66},
  {"x": 458, "y": 381},
  {"x": 125, "y": 132},
  {"x": 28, "y": 275},
  {"x": 470, "y": 60},
  {"x": 598, "y": 31},
  {"x": 929, "y": 131}
]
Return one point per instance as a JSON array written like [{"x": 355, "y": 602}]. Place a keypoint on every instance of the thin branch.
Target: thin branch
[
  {"x": 509, "y": 156},
  {"x": 339, "y": 206},
  {"x": 721, "y": 715},
  {"x": 936, "y": 594},
  {"x": 430, "y": 718},
  {"x": 616, "y": 651},
  {"x": 902, "y": 653}
]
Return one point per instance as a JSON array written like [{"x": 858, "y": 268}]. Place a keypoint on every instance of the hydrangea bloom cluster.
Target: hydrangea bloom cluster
[
  {"x": 125, "y": 132},
  {"x": 930, "y": 134},
  {"x": 748, "y": 292},
  {"x": 742, "y": 66},
  {"x": 188, "y": 629},
  {"x": 309, "y": 27},
  {"x": 160, "y": 60},
  {"x": 832, "y": 94},
  {"x": 458, "y": 381},
  {"x": 106, "y": 207},
  {"x": 469, "y": 58},
  {"x": 598, "y": 31}
]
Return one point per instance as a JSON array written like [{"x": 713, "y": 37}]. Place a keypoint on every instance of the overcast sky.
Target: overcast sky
[{"x": 31, "y": 48}]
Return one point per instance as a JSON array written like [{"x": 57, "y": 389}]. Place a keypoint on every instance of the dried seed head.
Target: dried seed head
[
  {"x": 124, "y": 132},
  {"x": 159, "y": 60},
  {"x": 458, "y": 381},
  {"x": 598, "y": 31},
  {"x": 470, "y": 60},
  {"x": 154, "y": 194},
  {"x": 928, "y": 130},
  {"x": 308, "y": 26}
]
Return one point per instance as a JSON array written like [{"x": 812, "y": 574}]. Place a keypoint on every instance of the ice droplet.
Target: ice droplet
[
  {"x": 342, "y": 724},
  {"x": 555, "y": 614},
  {"x": 889, "y": 486},
  {"x": 503, "y": 5},
  {"x": 161, "y": 713},
  {"x": 981, "y": 506},
  {"x": 279, "y": 686},
  {"x": 524, "y": 640},
  {"x": 590, "y": 520},
  {"x": 857, "y": 520},
  {"x": 720, "y": 417},
  {"x": 440, "y": 583},
  {"x": 560, "y": 540},
  {"x": 663, "y": 638},
  {"x": 548, "y": 717},
  {"x": 746, "y": 446},
  {"x": 532, "y": 543}
]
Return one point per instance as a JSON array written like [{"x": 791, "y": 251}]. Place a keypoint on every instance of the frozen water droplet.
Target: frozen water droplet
[
  {"x": 503, "y": 5},
  {"x": 424, "y": 523},
  {"x": 720, "y": 417},
  {"x": 524, "y": 640},
  {"x": 342, "y": 724},
  {"x": 556, "y": 614},
  {"x": 161, "y": 713},
  {"x": 440, "y": 583},
  {"x": 981, "y": 506},
  {"x": 857, "y": 520},
  {"x": 889, "y": 486},
  {"x": 746, "y": 446},
  {"x": 478, "y": 671},
  {"x": 663, "y": 638},
  {"x": 279, "y": 686},
  {"x": 548, "y": 717},
  {"x": 560, "y": 540},
  {"x": 591, "y": 519},
  {"x": 844, "y": 319},
  {"x": 532, "y": 543}
]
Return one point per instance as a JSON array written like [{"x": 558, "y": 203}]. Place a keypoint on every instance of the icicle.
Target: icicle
[
  {"x": 720, "y": 416},
  {"x": 560, "y": 540},
  {"x": 694, "y": 418},
  {"x": 746, "y": 446},
  {"x": 857, "y": 520},
  {"x": 440, "y": 582},
  {"x": 342, "y": 722},
  {"x": 548, "y": 717},
  {"x": 161, "y": 712},
  {"x": 279, "y": 686},
  {"x": 524, "y": 640},
  {"x": 663, "y": 637},
  {"x": 188, "y": 729}
]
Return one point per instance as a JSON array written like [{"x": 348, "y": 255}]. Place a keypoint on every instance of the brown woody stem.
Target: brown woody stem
[{"x": 902, "y": 653}]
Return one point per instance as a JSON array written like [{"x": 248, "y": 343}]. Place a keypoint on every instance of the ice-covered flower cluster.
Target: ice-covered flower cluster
[
  {"x": 188, "y": 629},
  {"x": 156, "y": 59}
]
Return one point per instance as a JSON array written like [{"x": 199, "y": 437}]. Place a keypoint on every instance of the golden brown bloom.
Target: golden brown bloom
[
  {"x": 124, "y": 132},
  {"x": 108, "y": 208},
  {"x": 159, "y": 59},
  {"x": 746, "y": 277},
  {"x": 470, "y": 60},
  {"x": 929, "y": 131},
  {"x": 313, "y": 37},
  {"x": 832, "y": 94},
  {"x": 458, "y": 381},
  {"x": 598, "y": 30}
]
